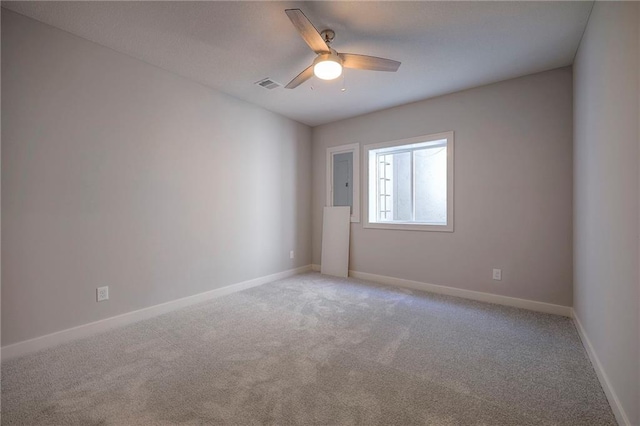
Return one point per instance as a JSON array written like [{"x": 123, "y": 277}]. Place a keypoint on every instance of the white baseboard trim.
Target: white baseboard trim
[
  {"x": 38, "y": 343},
  {"x": 614, "y": 402},
  {"x": 531, "y": 305},
  {"x": 315, "y": 267}
]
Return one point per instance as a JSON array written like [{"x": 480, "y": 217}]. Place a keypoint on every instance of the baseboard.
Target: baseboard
[
  {"x": 32, "y": 345},
  {"x": 531, "y": 305},
  {"x": 315, "y": 267},
  {"x": 614, "y": 402}
]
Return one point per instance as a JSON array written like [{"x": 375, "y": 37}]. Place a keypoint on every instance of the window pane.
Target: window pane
[
  {"x": 431, "y": 185},
  {"x": 402, "y": 187},
  {"x": 343, "y": 179},
  {"x": 408, "y": 184}
]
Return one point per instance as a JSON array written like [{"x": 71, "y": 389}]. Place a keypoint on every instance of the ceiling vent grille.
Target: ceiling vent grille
[{"x": 267, "y": 83}]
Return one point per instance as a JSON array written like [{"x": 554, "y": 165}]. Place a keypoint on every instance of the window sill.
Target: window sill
[{"x": 409, "y": 227}]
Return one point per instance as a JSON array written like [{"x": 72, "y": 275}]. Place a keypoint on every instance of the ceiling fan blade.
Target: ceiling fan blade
[
  {"x": 300, "y": 78},
  {"x": 364, "y": 62},
  {"x": 307, "y": 31}
]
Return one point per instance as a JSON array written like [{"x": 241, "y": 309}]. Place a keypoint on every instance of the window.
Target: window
[
  {"x": 410, "y": 184},
  {"x": 343, "y": 178}
]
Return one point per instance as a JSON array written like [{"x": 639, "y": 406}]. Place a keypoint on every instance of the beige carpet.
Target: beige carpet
[{"x": 316, "y": 350}]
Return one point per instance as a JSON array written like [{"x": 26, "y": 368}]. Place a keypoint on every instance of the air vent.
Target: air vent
[{"x": 267, "y": 83}]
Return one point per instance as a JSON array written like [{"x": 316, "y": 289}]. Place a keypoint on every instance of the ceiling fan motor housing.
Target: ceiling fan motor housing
[{"x": 328, "y": 35}]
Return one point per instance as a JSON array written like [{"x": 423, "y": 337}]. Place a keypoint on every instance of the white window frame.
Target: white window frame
[
  {"x": 411, "y": 226},
  {"x": 342, "y": 149}
]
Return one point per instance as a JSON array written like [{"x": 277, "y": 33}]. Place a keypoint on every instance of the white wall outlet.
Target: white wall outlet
[
  {"x": 291, "y": 254},
  {"x": 497, "y": 274},
  {"x": 102, "y": 293}
]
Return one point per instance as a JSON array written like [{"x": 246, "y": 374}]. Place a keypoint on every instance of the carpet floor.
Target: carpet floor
[{"x": 319, "y": 350}]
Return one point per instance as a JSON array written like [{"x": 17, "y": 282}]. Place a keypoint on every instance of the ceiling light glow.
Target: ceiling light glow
[{"x": 327, "y": 66}]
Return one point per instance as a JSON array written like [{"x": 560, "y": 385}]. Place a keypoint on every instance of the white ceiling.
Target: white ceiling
[{"x": 443, "y": 46}]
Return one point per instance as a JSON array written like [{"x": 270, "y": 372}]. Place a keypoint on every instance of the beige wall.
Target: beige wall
[
  {"x": 117, "y": 173},
  {"x": 513, "y": 190},
  {"x": 606, "y": 158}
]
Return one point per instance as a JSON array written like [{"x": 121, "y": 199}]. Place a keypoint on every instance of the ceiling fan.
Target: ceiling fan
[{"x": 329, "y": 63}]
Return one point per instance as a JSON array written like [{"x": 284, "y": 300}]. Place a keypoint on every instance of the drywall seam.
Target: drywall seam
[{"x": 38, "y": 343}]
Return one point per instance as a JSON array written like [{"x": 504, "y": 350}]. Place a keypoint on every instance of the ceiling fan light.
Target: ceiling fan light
[{"x": 327, "y": 66}]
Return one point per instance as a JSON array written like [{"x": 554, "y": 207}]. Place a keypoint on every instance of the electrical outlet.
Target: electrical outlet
[
  {"x": 497, "y": 274},
  {"x": 291, "y": 254},
  {"x": 102, "y": 294}
]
